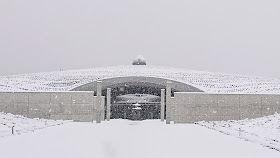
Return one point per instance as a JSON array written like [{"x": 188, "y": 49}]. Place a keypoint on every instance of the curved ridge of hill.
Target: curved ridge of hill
[{"x": 208, "y": 82}]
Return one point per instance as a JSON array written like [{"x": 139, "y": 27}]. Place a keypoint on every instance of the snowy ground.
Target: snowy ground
[
  {"x": 129, "y": 139},
  {"x": 22, "y": 124},
  {"x": 264, "y": 131}
]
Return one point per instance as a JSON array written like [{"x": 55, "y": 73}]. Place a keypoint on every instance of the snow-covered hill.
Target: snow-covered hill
[
  {"x": 264, "y": 131},
  {"x": 206, "y": 81},
  {"x": 22, "y": 124}
]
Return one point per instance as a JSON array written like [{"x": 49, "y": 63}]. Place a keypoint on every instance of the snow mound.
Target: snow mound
[
  {"x": 206, "y": 81},
  {"x": 264, "y": 131},
  {"x": 22, "y": 124}
]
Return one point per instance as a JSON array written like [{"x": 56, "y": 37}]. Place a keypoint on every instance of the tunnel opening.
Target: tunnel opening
[
  {"x": 136, "y": 107},
  {"x": 129, "y": 95},
  {"x": 135, "y": 102}
]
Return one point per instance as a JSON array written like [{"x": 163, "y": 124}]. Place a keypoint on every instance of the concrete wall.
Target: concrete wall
[
  {"x": 193, "y": 107},
  {"x": 77, "y": 106},
  {"x": 102, "y": 107},
  {"x": 185, "y": 107}
]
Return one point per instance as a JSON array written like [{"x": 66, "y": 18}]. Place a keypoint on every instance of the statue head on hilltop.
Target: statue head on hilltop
[{"x": 139, "y": 60}]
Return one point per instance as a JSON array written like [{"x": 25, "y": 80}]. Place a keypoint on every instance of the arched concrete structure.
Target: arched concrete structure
[
  {"x": 224, "y": 96},
  {"x": 138, "y": 81},
  {"x": 134, "y": 85}
]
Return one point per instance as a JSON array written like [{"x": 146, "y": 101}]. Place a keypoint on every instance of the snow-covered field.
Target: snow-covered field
[
  {"x": 131, "y": 139},
  {"x": 264, "y": 131},
  {"x": 209, "y": 82},
  {"x": 21, "y": 124}
]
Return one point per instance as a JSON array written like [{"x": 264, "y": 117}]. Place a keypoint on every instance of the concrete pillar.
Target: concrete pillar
[
  {"x": 108, "y": 104},
  {"x": 94, "y": 116},
  {"x": 98, "y": 103},
  {"x": 162, "y": 104},
  {"x": 99, "y": 89},
  {"x": 103, "y": 108},
  {"x": 172, "y": 113},
  {"x": 168, "y": 102}
]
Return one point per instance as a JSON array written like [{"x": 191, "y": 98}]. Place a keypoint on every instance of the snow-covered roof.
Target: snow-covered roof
[{"x": 206, "y": 81}]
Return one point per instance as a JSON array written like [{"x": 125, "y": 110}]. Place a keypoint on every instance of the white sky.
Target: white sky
[{"x": 237, "y": 36}]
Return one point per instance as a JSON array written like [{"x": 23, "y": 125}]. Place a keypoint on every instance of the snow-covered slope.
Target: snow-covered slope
[
  {"x": 264, "y": 131},
  {"x": 22, "y": 124},
  {"x": 206, "y": 81}
]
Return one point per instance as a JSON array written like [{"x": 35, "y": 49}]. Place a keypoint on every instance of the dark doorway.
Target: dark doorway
[{"x": 136, "y": 107}]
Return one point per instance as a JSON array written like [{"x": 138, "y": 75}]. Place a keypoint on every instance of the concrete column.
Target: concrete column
[
  {"x": 172, "y": 113},
  {"x": 162, "y": 104},
  {"x": 168, "y": 102},
  {"x": 103, "y": 108},
  {"x": 98, "y": 105},
  {"x": 108, "y": 104},
  {"x": 99, "y": 89}
]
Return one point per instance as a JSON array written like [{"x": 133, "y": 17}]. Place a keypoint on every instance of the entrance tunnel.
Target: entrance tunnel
[{"x": 136, "y": 98}]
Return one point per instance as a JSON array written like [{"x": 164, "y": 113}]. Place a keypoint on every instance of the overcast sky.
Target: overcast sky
[{"x": 236, "y": 36}]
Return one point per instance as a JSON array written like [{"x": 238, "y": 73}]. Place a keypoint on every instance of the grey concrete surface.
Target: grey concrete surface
[
  {"x": 77, "y": 106},
  {"x": 168, "y": 102},
  {"x": 193, "y": 107},
  {"x": 162, "y": 103},
  {"x": 172, "y": 110},
  {"x": 98, "y": 102},
  {"x": 108, "y": 110},
  {"x": 185, "y": 107}
]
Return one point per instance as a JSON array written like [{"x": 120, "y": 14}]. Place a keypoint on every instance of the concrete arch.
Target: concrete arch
[{"x": 155, "y": 82}]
